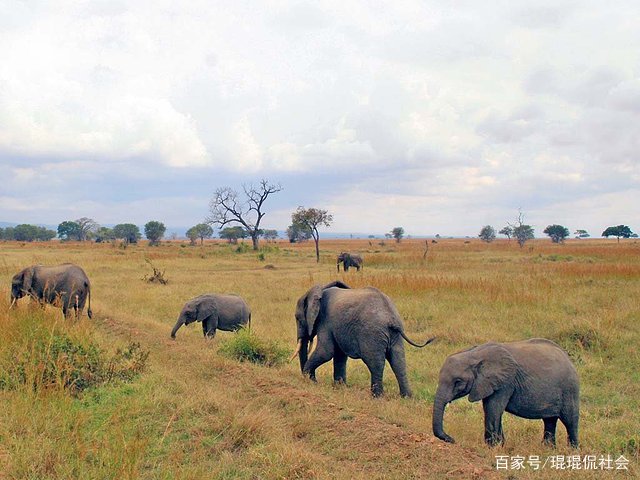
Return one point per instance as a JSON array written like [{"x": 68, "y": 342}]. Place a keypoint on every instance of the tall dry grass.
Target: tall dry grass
[{"x": 198, "y": 414}]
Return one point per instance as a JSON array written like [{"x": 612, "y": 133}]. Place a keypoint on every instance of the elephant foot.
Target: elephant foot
[
  {"x": 493, "y": 439},
  {"x": 446, "y": 438}
]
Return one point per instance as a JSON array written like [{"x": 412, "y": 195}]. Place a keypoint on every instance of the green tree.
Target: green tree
[
  {"x": 9, "y": 233},
  {"x": 24, "y": 233},
  {"x": 270, "y": 235},
  {"x": 232, "y": 234},
  {"x": 104, "y": 234},
  {"x": 128, "y": 232},
  {"x": 557, "y": 233},
  {"x": 69, "y": 230},
  {"x": 507, "y": 232},
  {"x": 487, "y": 234},
  {"x": 44, "y": 234},
  {"x": 298, "y": 233},
  {"x": 311, "y": 219},
  {"x": 397, "y": 233},
  {"x": 581, "y": 233},
  {"x": 201, "y": 231},
  {"x": 619, "y": 231},
  {"x": 154, "y": 231},
  {"x": 226, "y": 207}
]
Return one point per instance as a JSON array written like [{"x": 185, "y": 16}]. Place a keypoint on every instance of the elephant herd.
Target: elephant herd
[{"x": 532, "y": 379}]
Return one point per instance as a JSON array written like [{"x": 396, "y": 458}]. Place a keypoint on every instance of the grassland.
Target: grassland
[{"x": 195, "y": 413}]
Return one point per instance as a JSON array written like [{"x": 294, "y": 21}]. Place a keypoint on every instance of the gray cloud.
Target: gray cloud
[{"x": 442, "y": 117}]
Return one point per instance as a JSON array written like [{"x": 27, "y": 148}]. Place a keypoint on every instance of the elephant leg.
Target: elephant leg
[
  {"x": 209, "y": 326},
  {"x": 570, "y": 422},
  {"x": 549, "y": 436},
  {"x": 323, "y": 352},
  {"x": 375, "y": 364},
  {"x": 396, "y": 359},
  {"x": 494, "y": 406},
  {"x": 339, "y": 366}
]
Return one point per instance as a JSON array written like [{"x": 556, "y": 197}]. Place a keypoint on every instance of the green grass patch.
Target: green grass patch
[{"x": 248, "y": 347}]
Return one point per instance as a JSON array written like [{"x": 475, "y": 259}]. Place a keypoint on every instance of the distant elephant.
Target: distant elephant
[
  {"x": 532, "y": 379},
  {"x": 63, "y": 285},
  {"x": 215, "y": 311},
  {"x": 349, "y": 260},
  {"x": 357, "y": 323}
]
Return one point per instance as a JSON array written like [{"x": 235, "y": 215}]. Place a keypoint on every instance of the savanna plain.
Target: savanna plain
[{"x": 190, "y": 411}]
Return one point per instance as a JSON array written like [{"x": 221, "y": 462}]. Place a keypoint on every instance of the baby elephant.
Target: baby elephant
[
  {"x": 215, "y": 311},
  {"x": 65, "y": 285},
  {"x": 531, "y": 379}
]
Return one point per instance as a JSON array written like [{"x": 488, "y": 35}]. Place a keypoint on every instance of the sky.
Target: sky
[{"x": 437, "y": 116}]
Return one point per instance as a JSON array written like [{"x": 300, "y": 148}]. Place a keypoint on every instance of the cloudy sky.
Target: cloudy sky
[{"x": 438, "y": 116}]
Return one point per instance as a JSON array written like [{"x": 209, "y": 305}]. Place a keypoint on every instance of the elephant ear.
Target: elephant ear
[
  {"x": 27, "y": 279},
  {"x": 205, "y": 309},
  {"x": 312, "y": 308},
  {"x": 495, "y": 369}
]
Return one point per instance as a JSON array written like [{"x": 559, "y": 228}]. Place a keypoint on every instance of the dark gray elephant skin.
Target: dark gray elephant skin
[
  {"x": 356, "y": 323},
  {"x": 532, "y": 379},
  {"x": 349, "y": 260},
  {"x": 216, "y": 312},
  {"x": 63, "y": 285}
]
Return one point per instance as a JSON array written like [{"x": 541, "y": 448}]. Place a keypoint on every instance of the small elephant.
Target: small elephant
[
  {"x": 215, "y": 311},
  {"x": 63, "y": 285},
  {"x": 357, "y": 323},
  {"x": 349, "y": 260},
  {"x": 531, "y": 379}
]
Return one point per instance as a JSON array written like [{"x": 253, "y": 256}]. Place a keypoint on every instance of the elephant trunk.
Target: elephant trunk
[
  {"x": 178, "y": 324},
  {"x": 304, "y": 352},
  {"x": 439, "y": 405}
]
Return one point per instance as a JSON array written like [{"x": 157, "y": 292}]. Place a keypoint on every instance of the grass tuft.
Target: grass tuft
[{"x": 248, "y": 347}]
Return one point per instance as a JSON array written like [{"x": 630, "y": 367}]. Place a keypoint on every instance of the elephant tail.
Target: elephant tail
[
  {"x": 249, "y": 323},
  {"x": 416, "y": 344},
  {"x": 89, "y": 312}
]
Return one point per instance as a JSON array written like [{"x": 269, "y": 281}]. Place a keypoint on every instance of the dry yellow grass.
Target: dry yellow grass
[{"x": 197, "y": 414}]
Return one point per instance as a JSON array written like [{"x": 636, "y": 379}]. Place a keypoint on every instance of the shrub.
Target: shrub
[
  {"x": 248, "y": 347},
  {"x": 39, "y": 356}
]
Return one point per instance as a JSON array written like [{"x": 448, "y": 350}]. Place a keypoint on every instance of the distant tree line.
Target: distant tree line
[{"x": 558, "y": 233}]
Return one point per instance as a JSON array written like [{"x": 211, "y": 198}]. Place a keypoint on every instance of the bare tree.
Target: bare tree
[
  {"x": 227, "y": 207},
  {"x": 310, "y": 219},
  {"x": 521, "y": 231},
  {"x": 87, "y": 226}
]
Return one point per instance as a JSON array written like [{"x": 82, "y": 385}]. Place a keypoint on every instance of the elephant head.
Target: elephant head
[
  {"x": 193, "y": 311},
  {"x": 21, "y": 284},
  {"x": 342, "y": 258},
  {"x": 477, "y": 372},
  {"x": 307, "y": 312}
]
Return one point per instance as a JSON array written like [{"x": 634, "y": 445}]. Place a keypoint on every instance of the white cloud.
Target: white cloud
[{"x": 470, "y": 108}]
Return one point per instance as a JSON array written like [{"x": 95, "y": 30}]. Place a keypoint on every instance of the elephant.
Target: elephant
[
  {"x": 63, "y": 285},
  {"x": 356, "y": 323},
  {"x": 349, "y": 260},
  {"x": 215, "y": 311},
  {"x": 532, "y": 379}
]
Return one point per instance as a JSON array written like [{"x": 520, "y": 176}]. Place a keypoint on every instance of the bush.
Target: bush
[
  {"x": 247, "y": 347},
  {"x": 40, "y": 356}
]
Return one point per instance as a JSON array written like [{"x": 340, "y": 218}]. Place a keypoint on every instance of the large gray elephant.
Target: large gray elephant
[
  {"x": 349, "y": 260},
  {"x": 357, "y": 323},
  {"x": 63, "y": 285},
  {"x": 531, "y": 379},
  {"x": 215, "y": 311}
]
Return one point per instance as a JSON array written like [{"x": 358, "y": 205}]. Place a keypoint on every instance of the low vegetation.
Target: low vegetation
[
  {"x": 248, "y": 347},
  {"x": 196, "y": 411}
]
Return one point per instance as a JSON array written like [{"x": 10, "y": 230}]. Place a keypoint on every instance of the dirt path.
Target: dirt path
[{"x": 377, "y": 448}]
